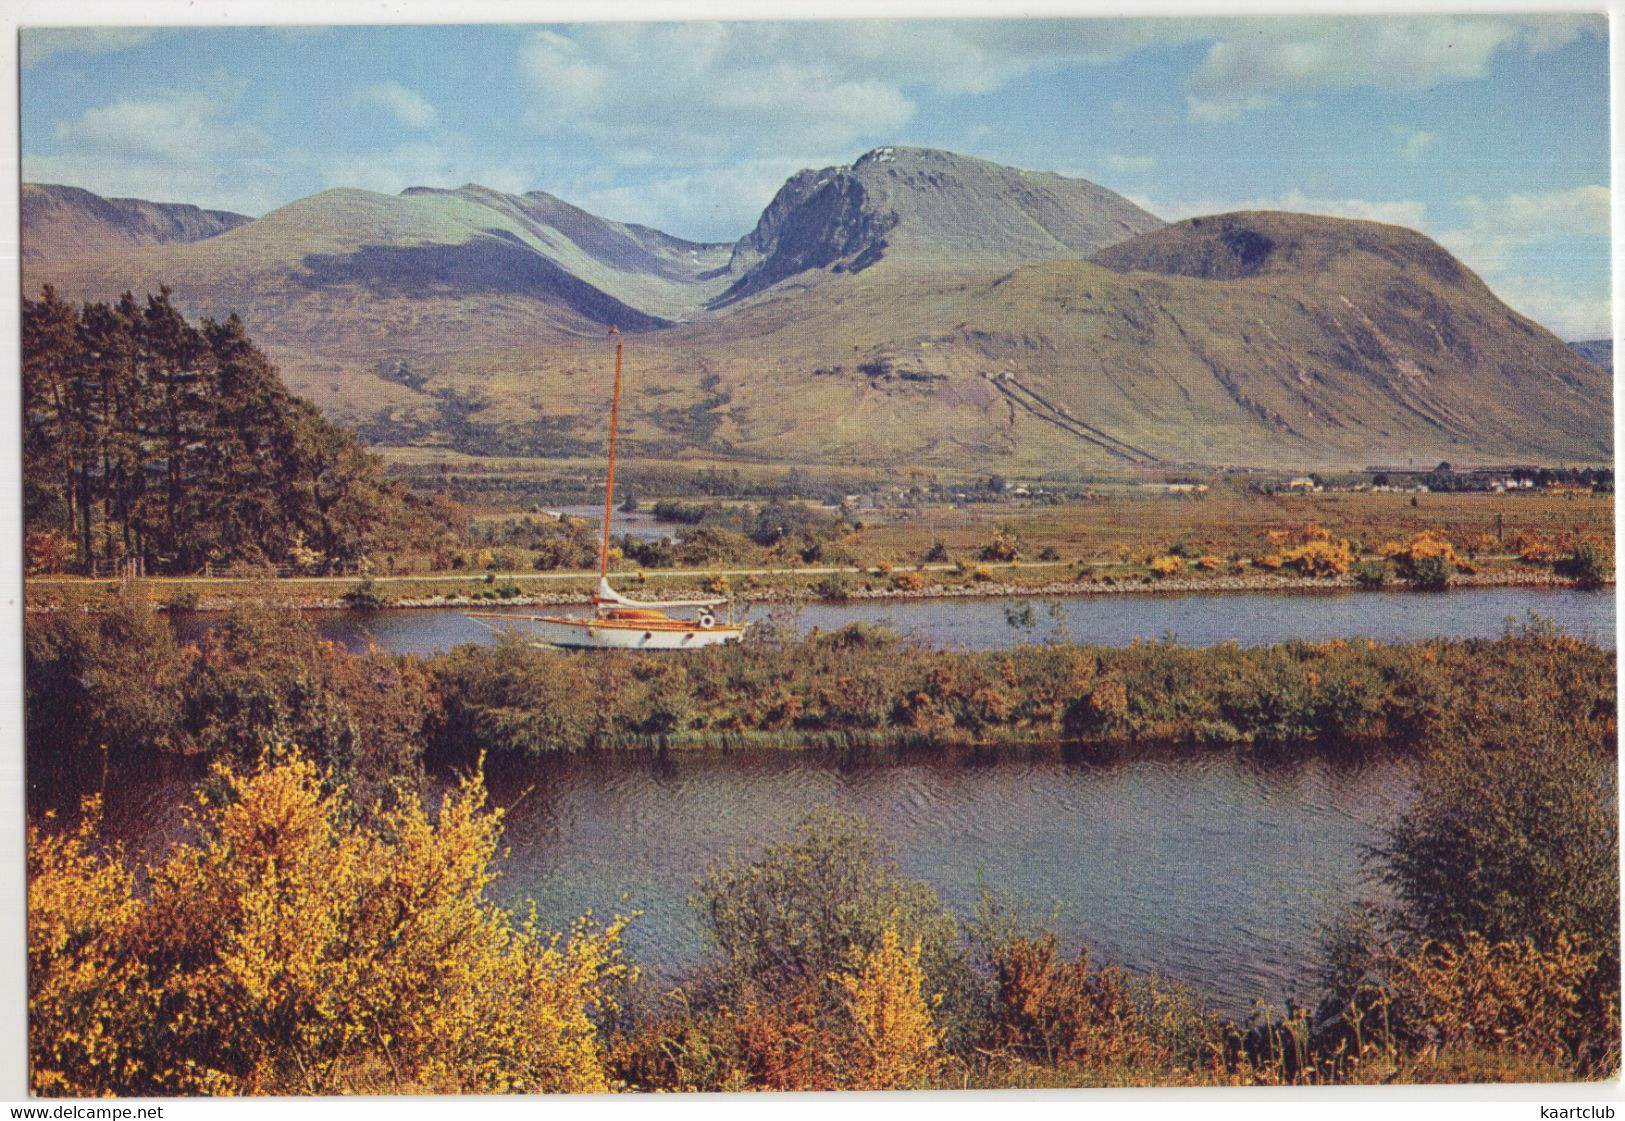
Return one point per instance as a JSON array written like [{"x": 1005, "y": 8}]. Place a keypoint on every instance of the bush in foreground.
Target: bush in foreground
[{"x": 288, "y": 952}]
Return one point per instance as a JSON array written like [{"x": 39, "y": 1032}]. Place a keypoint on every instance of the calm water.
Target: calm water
[
  {"x": 1216, "y": 870},
  {"x": 1112, "y": 620},
  {"x": 639, "y": 524}
]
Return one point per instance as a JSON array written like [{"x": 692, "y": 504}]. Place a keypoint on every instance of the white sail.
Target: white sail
[{"x": 607, "y": 594}]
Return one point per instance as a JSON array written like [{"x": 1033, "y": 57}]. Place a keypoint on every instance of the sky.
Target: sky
[{"x": 1489, "y": 133}]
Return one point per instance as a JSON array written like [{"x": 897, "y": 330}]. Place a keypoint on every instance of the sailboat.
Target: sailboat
[{"x": 616, "y": 622}]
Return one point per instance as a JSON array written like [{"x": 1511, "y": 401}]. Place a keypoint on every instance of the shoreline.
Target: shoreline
[{"x": 1251, "y": 583}]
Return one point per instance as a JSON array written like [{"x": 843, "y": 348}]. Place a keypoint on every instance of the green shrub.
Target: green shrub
[
  {"x": 1589, "y": 564},
  {"x": 814, "y": 905},
  {"x": 1514, "y": 831},
  {"x": 1430, "y": 574},
  {"x": 835, "y": 587},
  {"x": 365, "y": 596},
  {"x": 1372, "y": 573}
]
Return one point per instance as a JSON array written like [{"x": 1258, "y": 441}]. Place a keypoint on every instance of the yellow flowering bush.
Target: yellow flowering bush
[
  {"x": 898, "y": 1042},
  {"x": 290, "y": 951},
  {"x": 1320, "y": 557},
  {"x": 1427, "y": 560}
]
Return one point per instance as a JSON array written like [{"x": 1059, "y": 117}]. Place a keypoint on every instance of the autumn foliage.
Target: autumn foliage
[
  {"x": 323, "y": 931},
  {"x": 289, "y": 951}
]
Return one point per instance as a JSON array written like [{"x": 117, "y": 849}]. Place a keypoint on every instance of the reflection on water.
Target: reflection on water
[
  {"x": 1213, "y": 869},
  {"x": 1110, "y": 620}
]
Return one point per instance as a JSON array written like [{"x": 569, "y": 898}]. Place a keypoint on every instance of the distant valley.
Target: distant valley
[
  {"x": 1600, "y": 352},
  {"x": 916, "y": 308}
]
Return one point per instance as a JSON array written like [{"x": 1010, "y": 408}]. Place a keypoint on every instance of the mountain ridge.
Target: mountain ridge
[
  {"x": 62, "y": 221},
  {"x": 913, "y": 307},
  {"x": 901, "y": 199}
]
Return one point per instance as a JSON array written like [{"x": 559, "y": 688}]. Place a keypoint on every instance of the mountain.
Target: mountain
[
  {"x": 65, "y": 222},
  {"x": 1256, "y": 339},
  {"x": 925, "y": 203},
  {"x": 916, "y": 310},
  {"x": 558, "y": 266},
  {"x": 572, "y": 272},
  {"x": 1599, "y": 352}
]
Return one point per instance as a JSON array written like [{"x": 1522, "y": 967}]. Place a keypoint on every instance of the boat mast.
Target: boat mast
[{"x": 609, "y": 487}]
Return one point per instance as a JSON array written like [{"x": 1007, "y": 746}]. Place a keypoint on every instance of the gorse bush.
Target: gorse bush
[
  {"x": 899, "y": 1043},
  {"x": 1426, "y": 562},
  {"x": 1319, "y": 558},
  {"x": 291, "y": 951}
]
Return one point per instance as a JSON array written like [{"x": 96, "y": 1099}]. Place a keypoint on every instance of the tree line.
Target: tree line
[{"x": 148, "y": 437}]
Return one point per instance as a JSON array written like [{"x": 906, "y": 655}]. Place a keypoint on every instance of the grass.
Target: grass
[{"x": 1105, "y": 541}]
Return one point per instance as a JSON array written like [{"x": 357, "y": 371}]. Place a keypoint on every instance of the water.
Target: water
[
  {"x": 1215, "y": 870},
  {"x": 639, "y": 524},
  {"x": 1250, "y": 619}
]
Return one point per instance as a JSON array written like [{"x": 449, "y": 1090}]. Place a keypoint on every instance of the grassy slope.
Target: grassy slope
[
  {"x": 1356, "y": 344},
  {"x": 1329, "y": 367}
]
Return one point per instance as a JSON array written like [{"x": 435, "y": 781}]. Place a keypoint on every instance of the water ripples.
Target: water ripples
[{"x": 1211, "y": 869}]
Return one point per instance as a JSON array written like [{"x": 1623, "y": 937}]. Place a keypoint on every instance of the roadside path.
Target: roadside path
[{"x": 575, "y": 574}]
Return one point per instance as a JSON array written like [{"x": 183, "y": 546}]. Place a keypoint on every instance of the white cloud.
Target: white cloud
[
  {"x": 707, "y": 204},
  {"x": 1569, "y": 228},
  {"x": 1412, "y": 142},
  {"x": 709, "y": 89},
  {"x": 39, "y": 43},
  {"x": 407, "y": 107},
  {"x": 705, "y": 91},
  {"x": 185, "y": 147},
  {"x": 1257, "y": 63},
  {"x": 776, "y": 87},
  {"x": 1563, "y": 307},
  {"x": 1497, "y": 228}
]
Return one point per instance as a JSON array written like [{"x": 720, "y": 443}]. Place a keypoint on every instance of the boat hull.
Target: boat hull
[{"x": 601, "y": 635}]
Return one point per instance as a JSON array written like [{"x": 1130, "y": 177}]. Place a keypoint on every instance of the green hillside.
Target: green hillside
[{"x": 917, "y": 308}]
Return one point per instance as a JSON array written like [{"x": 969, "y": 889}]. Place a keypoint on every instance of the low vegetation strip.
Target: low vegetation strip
[
  {"x": 864, "y": 686},
  {"x": 326, "y": 933},
  {"x": 262, "y": 675}
]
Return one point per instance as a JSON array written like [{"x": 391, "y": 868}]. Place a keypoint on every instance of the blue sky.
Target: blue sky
[{"x": 1489, "y": 133}]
